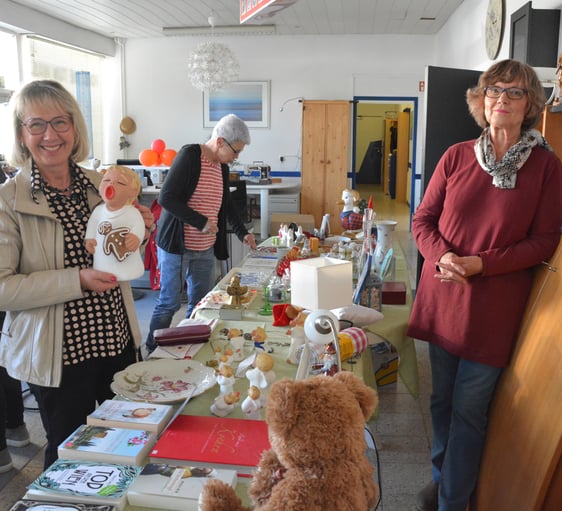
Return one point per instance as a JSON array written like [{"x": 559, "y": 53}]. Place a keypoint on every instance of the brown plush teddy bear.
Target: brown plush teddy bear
[{"x": 317, "y": 459}]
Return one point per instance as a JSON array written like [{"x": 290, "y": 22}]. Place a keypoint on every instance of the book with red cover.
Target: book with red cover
[{"x": 209, "y": 441}]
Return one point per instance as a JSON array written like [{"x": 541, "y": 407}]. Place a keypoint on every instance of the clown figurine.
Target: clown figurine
[{"x": 116, "y": 228}]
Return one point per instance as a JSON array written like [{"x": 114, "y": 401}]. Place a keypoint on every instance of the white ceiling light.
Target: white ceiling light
[
  {"x": 212, "y": 65},
  {"x": 223, "y": 30}
]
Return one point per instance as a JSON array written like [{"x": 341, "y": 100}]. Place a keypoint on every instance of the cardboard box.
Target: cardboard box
[
  {"x": 393, "y": 293},
  {"x": 307, "y": 221},
  {"x": 385, "y": 363}
]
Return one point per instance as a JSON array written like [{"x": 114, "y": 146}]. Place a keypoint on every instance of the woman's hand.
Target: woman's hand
[
  {"x": 98, "y": 281},
  {"x": 250, "y": 240},
  {"x": 148, "y": 218},
  {"x": 453, "y": 268}
]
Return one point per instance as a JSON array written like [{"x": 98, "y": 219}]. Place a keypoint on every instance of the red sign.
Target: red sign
[{"x": 265, "y": 8}]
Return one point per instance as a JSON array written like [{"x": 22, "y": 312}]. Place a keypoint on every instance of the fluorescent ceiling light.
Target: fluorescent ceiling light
[{"x": 221, "y": 30}]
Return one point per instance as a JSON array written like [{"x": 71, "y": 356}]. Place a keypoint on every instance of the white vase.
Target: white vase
[{"x": 385, "y": 228}]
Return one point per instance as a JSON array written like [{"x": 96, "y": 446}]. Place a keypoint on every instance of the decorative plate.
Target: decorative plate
[{"x": 163, "y": 380}]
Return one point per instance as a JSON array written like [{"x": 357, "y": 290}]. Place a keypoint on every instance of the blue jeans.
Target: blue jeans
[
  {"x": 194, "y": 268},
  {"x": 460, "y": 399}
]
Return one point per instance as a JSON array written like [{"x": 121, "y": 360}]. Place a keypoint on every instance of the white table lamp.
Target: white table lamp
[{"x": 318, "y": 285}]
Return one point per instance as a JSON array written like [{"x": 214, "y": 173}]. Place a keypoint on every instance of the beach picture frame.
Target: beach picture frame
[{"x": 249, "y": 100}]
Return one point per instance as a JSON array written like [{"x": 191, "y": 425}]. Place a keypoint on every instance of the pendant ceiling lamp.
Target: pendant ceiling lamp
[{"x": 212, "y": 65}]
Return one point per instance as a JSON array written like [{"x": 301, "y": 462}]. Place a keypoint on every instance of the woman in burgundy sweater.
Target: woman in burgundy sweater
[{"x": 490, "y": 214}]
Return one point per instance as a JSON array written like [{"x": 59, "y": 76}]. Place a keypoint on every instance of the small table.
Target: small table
[{"x": 286, "y": 184}]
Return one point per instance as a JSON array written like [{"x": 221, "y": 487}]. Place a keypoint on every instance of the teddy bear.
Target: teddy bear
[{"x": 317, "y": 460}]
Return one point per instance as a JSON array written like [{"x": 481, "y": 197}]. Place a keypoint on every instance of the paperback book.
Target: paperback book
[
  {"x": 84, "y": 482},
  {"x": 216, "y": 442},
  {"x": 132, "y": 415},
  {"x": 112, "y": 445},
  {"x": 36, "y": 505},
  {"x": 174, "y": 487}
]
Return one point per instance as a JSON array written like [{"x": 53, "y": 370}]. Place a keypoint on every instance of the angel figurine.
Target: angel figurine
[
  {"x": 116, "y": 228},
  {"x": 262, "y": 374},
  {"x": 226, "y": 379},
  {"x": 252, "y": 405},
  {"x": 225, "y": 404}
]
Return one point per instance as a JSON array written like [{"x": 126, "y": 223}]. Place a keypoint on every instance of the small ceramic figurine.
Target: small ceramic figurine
[
  {"x": 225, "y": 404},
  {"x": 236, "y": 291},
  {"x": 237, "y": 346},
  {"x": 226, "y": 379},
  {"x": 252, "y": 405},
  {"x": 351, "y": 218},
  {"x": 259, "y": 337},
  {"x": 116, "y": 228},
  {"x": 329, "y": 362},
  {"x": 262, "y": 375}
]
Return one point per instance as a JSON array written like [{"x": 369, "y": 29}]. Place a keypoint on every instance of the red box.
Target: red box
[{"x": 393, "y": 293}]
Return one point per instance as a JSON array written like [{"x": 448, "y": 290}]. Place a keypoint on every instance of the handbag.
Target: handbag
[{"x": 188, "y": 334}]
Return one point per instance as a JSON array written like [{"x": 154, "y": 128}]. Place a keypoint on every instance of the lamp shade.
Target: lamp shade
[{"x": 321, "y": 283}]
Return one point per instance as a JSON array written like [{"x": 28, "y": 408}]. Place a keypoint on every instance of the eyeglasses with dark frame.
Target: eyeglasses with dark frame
[
  {"x": 37, "y": 126},
  {"x": 495, "y": 92},
  {"x": 232, "y": 148}
]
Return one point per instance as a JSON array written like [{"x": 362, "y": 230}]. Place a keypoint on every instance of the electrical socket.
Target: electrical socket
[{"x": 281, "y": 158}]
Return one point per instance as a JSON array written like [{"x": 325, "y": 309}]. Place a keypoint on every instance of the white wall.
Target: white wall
[{"x": 165, "y": 105}]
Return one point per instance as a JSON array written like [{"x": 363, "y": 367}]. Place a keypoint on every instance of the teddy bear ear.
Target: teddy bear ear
[
  {"x": 365, "y": 396},
  {"x": 285, "y": 413}
]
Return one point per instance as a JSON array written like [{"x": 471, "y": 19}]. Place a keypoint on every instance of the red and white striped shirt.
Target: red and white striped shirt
[{"x": 206, "y": 199}]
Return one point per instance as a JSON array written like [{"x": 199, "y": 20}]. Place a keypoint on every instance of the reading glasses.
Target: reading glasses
[
  {"x": 512, "y": 92},
  {"x": 38, "y": 126},
  {"x": 232, "y": 148}
]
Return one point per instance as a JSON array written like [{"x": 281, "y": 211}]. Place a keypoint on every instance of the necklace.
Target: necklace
[{"x": 60, "y": 191}]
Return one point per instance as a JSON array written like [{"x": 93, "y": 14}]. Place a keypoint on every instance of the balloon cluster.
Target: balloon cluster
[{"x": 157, "y": 154}]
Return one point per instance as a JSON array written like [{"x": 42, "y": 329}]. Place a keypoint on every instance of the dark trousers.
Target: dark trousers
[
  {"x": 83, "y": 385},
  {"x": 11, "y": 400}
]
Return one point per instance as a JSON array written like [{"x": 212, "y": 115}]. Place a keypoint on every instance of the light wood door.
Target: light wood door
[
  {"x": 551, "y": 128},
  {"x": 325, "y": 159},
  {"x": 521, "y": 462}
]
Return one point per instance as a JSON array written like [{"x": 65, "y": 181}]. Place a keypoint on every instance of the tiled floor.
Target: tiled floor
[{"x": 401, "y": 430}]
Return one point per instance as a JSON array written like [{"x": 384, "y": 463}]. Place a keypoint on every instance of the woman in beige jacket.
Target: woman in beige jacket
[{"x": 68, "y": 327}]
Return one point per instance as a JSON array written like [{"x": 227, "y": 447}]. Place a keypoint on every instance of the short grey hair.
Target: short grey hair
[
  {"x": 233, "y": 129},
  {"x": 48, "y": 93}
]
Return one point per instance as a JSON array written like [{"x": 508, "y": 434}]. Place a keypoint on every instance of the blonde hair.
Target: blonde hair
[
  {"x": 48, "y": 93},
  {"x": 129, "y": 174}
]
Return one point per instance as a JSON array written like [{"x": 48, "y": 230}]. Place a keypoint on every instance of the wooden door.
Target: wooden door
[
  {"x": 325, "y": 158},
  {"x": 521, "y": 462},
  {"x": 551, "y": 128}
]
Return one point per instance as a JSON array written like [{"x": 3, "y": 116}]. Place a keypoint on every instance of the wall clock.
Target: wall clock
[{"x": 495, "y": 20}]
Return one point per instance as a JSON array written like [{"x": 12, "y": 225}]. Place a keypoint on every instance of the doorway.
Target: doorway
[{"x": 384, "y": 147}]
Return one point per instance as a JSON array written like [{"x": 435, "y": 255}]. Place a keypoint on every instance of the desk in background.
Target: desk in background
[{"x": 287, "y": 184}]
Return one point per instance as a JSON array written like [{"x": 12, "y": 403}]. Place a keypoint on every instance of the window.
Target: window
[{"x": 79, "y": 71}]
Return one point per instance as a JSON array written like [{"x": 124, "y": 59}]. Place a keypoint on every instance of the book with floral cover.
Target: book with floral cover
[
  {"x": 174, "y": 487},
  {"x": 85, "y": 482},
  {"x": 104, "y": 444},
  {"x": 132, "y": 415}
]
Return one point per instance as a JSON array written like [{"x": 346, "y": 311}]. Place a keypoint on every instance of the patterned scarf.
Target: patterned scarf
[{"x": 504, "y": 172}]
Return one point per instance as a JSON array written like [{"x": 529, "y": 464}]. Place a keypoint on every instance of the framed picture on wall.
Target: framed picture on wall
[{"x": 247, "y": 100}]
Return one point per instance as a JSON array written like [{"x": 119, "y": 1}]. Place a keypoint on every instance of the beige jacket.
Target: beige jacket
[{"x": 34, "y": 285}]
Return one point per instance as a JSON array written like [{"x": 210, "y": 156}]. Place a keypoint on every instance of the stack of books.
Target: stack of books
[{"x": 102, "y": 464}]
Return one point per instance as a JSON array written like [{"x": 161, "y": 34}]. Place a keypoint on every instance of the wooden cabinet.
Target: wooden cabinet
[
  {"x": 521, "y": 466},
  {"x": 551, "y": 128},
  {"x": 325, "y": 159}
]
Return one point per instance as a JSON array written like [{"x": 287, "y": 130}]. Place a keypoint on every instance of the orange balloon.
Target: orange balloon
[
  {"x": 168, "y": 156},
  {"x": 158, "y": 145},
  {"x": 149, "y": 157}
]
